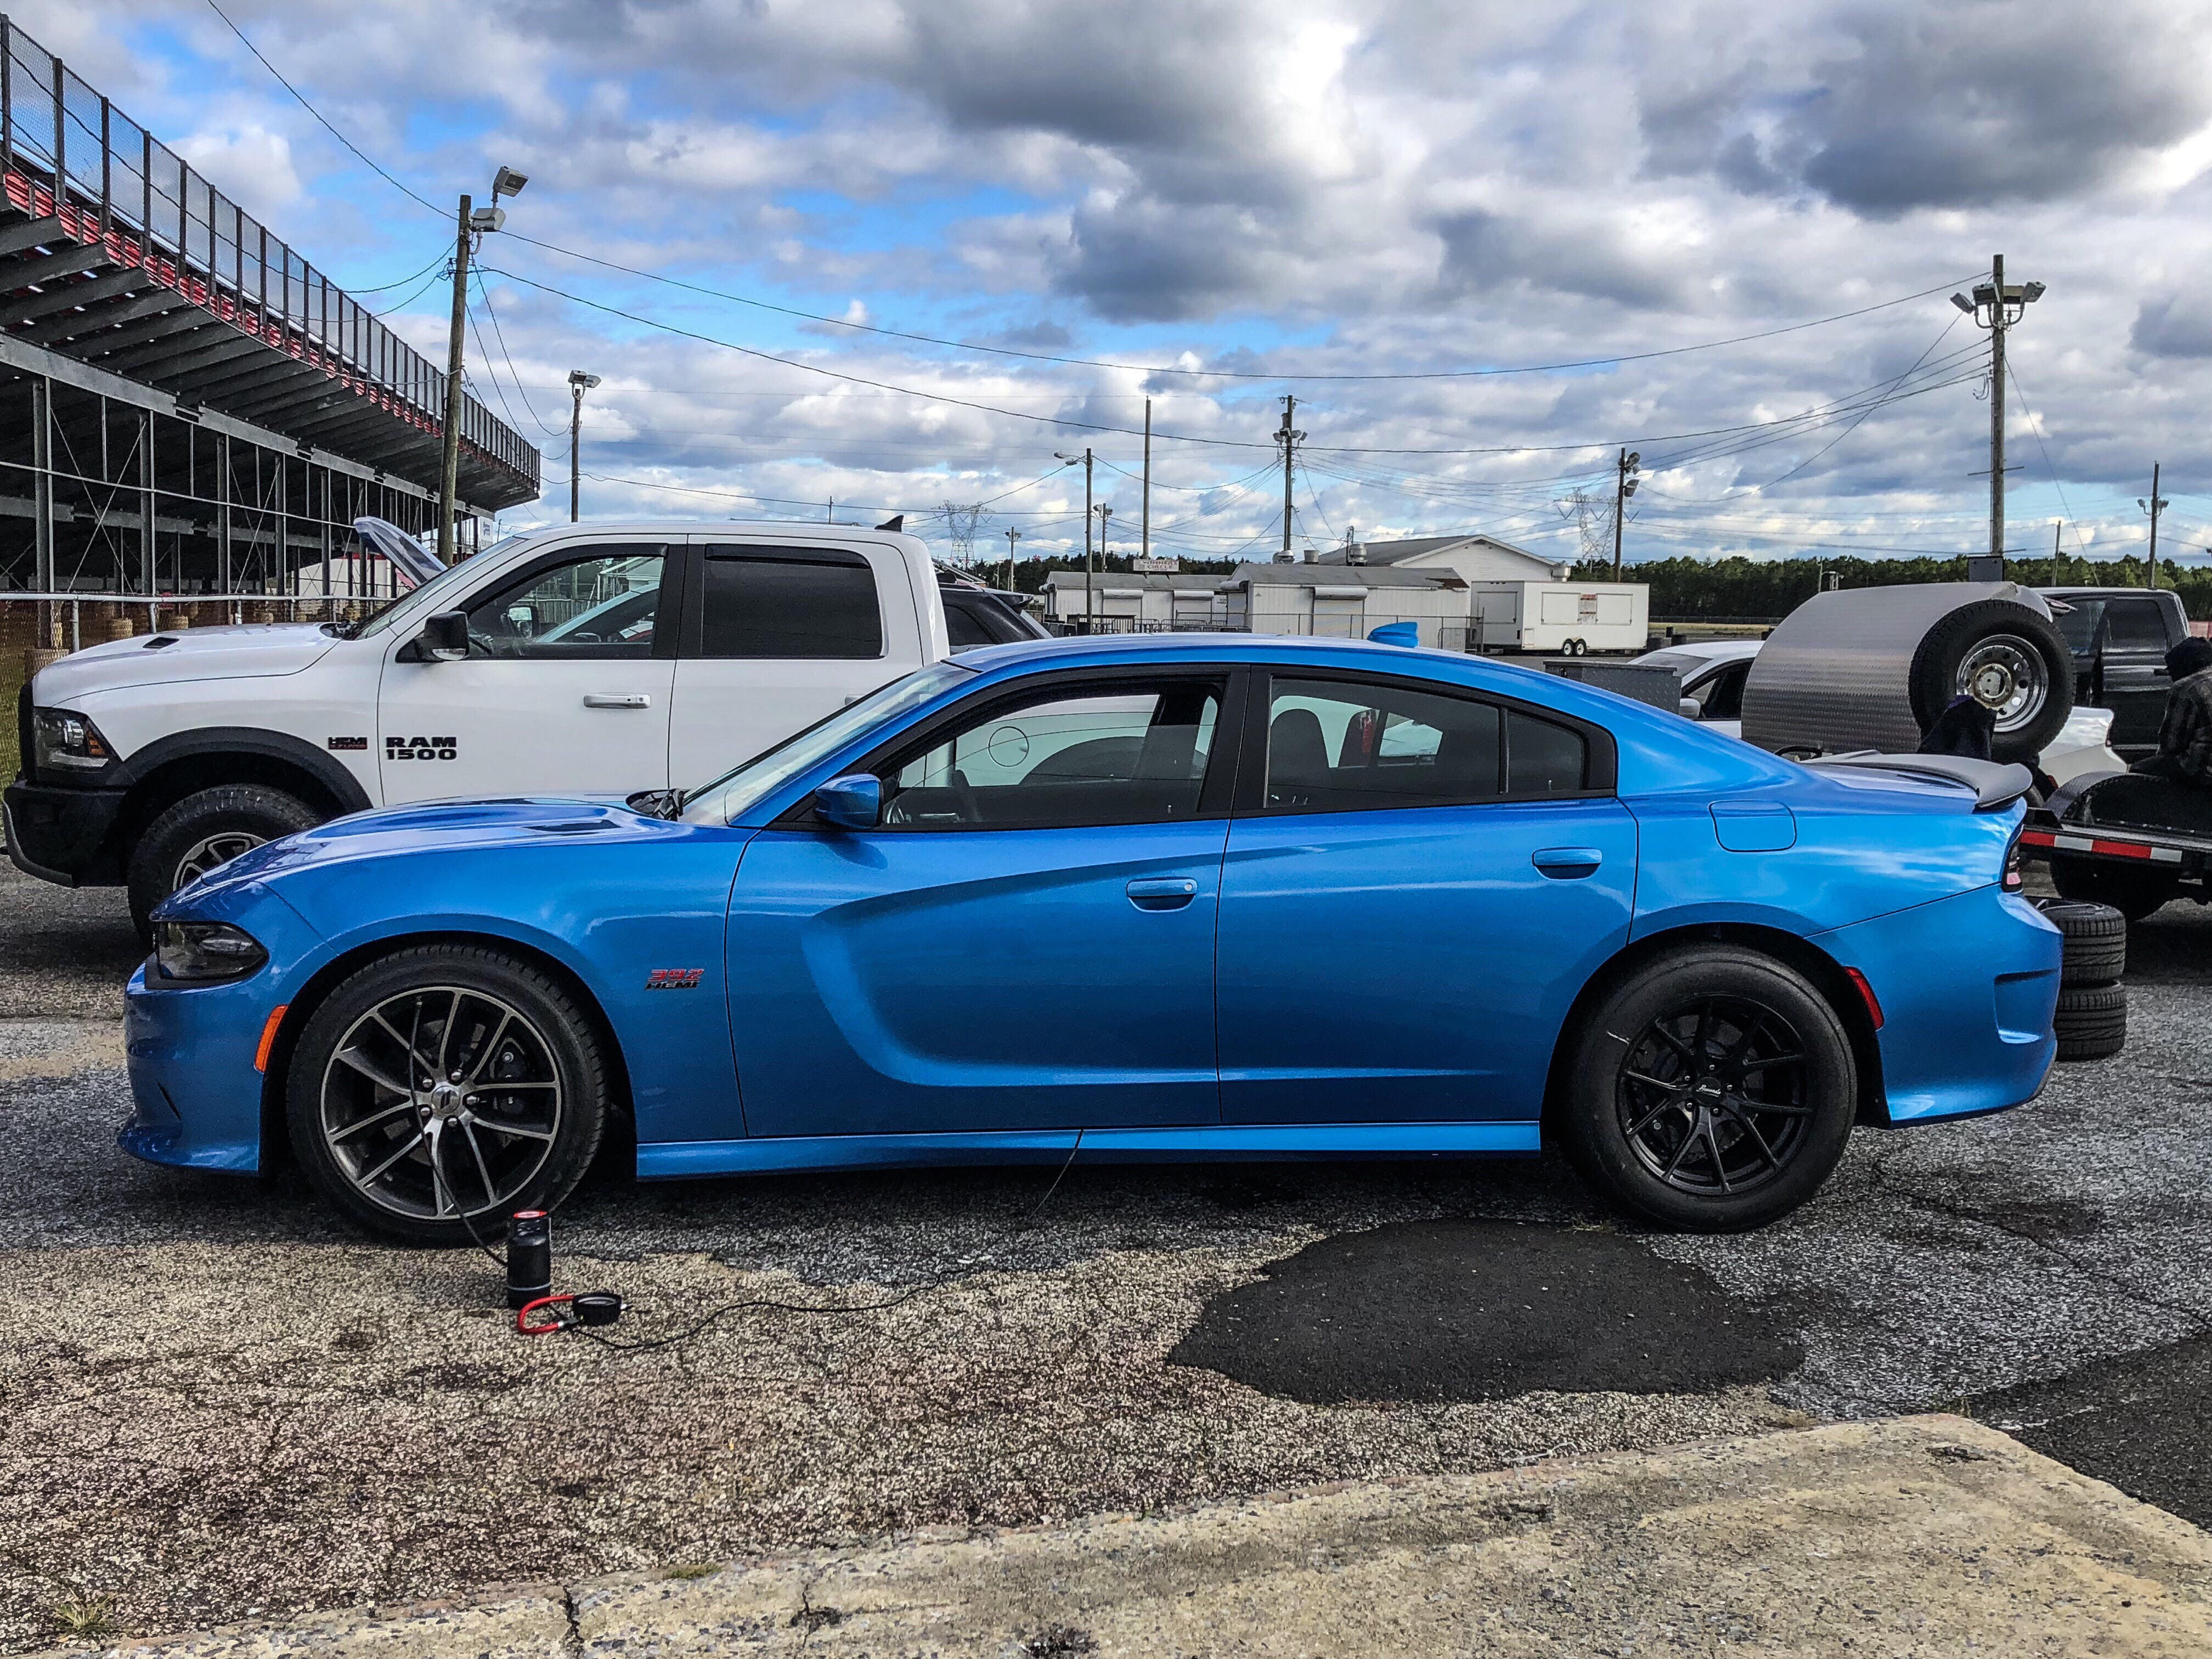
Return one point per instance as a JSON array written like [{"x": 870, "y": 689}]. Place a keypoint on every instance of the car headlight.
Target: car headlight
[
  {"x": 68, "y": 741},
  {"x": 202, "y": 952}
]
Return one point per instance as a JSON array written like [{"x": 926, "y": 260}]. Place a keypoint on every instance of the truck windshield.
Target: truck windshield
[{"x": 736, "y": 792}]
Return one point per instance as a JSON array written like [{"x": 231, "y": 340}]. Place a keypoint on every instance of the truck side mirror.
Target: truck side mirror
[
  {"x": 854, "y": 801},
  {"x": 445, "y": 637},
  {"x": 1690, "y": 708}
]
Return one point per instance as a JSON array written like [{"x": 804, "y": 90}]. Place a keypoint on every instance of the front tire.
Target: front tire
[
  {"x": 442, "y": 1087},
  {"x": 1713, "y": 1090},
  {"x": 203, "y": 832}
]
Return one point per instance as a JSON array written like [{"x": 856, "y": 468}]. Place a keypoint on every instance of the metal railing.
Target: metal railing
[{"x": 66, "y": 153}]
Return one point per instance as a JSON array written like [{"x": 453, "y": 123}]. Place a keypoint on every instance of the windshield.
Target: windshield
[
  {"x": 732, "y": 794},
  {"x": 431, "y": 597}
]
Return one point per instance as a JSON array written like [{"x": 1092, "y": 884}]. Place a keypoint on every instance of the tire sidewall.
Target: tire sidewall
[
  {"x": 570, "y": 1040},
  {"x": 1589, "y": 1123},
  {"x": 271, "y": 814}
]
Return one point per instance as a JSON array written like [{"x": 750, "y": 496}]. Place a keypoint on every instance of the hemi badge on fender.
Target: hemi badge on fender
[
  {"x": 674, "y": 979},
  {"x": 349, "y": 743}
]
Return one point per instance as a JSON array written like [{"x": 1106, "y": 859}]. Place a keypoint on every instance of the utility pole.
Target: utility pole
[
  {"x": 579, "y": 384},
  {"x": 1144, "y": 514},
  {"x": 468, "y": 224},
  {"x": 1624, "y": 485},
  {"x": 449, "y": 457},
  {"x": 2156, "y": 505},
  {"x": 1996, "y": 306},
  {"x": 1288, "y": 437},
  {"x": 1013, "y": 535}
]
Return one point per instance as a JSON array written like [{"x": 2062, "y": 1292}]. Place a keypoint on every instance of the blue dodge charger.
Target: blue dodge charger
[{"x": 1175, "y": 897}]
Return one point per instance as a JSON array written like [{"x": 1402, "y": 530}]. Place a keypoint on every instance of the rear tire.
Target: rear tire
[
  {"x": 203, "y": 832},
  {"x": 2134, "y": 893},
  {"x": 1714, "y": 1091},
  {"x": 515, "y": 1102},
  {"x": 2092, "y": 1021}
]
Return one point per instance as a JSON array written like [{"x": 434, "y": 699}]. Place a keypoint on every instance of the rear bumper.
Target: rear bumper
[
  {"x": 1967, "y": 986},
  {"x": 62, "y": 835}
]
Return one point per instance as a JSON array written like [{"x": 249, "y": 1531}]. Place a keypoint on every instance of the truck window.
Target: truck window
[
  {"x": 598, "y": 606},
  {"x": 789, "y": 602},
  {"x": 2134, "y": 625}
]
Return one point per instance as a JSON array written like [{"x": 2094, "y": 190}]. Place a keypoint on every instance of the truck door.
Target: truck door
[
  {"x": 565, "y": 689},
  {"x": 781, "y": 634},
  {"x": 2135, "y": 678}
]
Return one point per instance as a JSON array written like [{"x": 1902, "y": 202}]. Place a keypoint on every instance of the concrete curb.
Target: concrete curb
[{"x": 1922, "y": 1536}]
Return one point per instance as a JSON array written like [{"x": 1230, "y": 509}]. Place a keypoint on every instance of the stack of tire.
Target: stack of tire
[{"x": 2091, "y": 1022}]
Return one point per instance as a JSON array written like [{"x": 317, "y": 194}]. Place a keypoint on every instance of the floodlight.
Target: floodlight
[
  {"x": 2032, "y": 293},
  {"x": 1635, "y": 457},
  {"x": 1963, "y": 303},
  {"x": 582, "y": 381},
  {"x": 490, "y": 218},
  {"x": 508, "y": 182}
]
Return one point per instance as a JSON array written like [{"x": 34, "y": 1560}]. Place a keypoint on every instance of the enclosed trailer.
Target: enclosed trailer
[{"x": 1567, "y": 617}]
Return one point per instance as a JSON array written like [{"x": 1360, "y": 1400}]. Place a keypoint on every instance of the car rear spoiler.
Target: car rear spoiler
[{"x": 1996, "y": 784}]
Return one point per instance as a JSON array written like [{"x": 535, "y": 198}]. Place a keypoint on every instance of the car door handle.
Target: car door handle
[
  {"x": 1567, "y": 863},
  {"x": 635, "y": 700},
  {"x": 1161, "y": 892}
]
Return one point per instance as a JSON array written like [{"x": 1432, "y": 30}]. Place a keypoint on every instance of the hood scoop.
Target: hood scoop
[{"x": 158, "y": 641}]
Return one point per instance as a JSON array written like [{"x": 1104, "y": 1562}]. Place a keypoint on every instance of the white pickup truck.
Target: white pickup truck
[{"x": 590, "y": 659}]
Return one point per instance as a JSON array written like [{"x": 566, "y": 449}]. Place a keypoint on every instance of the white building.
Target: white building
[
  {"x": 1471, "y": 558},
  {"x": 1341, "y": 602},
  {"x": 1123, "y": 603}
]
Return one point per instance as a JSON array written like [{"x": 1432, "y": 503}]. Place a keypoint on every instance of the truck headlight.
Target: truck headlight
[
  {"x": 204, "y": 952},
  {"x": 68, "y": 741}
]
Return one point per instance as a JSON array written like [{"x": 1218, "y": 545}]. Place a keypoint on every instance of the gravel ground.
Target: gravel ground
[{"x": 214, "y": 1400}]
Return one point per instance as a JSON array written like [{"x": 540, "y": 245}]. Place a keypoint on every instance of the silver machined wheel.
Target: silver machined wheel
[
  {"x": 440, "y": 1102},
  {"x": 2006, "y": 676},
  {"x": 212, "y": 853}
]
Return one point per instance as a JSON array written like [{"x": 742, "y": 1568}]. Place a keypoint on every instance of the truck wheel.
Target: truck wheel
[
  {"x": 442, "y": 1087},
  {"x": 2007, "y": 657},
  {"x": 204, "y": 831},
  {"x": 2134, "y": 893},
  {"x": 1712, "y": 1091}
]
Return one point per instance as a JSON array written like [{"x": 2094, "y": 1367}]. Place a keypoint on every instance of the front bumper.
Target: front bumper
[
  {"x": 62, "y": 835},
  {"x": 1968, "y": 987}
]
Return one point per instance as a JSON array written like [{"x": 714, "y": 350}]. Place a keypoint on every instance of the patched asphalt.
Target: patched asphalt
[
  {"x": 1158, "y": 1335},
  {"x": 1439, "y": 1310}
]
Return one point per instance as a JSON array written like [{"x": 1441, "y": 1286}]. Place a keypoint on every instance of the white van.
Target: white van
[{"x": 600, "y": 659}]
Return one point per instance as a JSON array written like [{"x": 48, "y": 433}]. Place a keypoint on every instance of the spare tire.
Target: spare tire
[
  {"x": 2010, "y": 659},
  {"x": 2096, "y": 950},
  {"x": 2091, "y": 1022}
]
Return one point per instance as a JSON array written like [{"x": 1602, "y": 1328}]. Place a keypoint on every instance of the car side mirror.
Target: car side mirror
[
  {"x": 854, "y": 801},
  {"x": 1690, "y": 708},
  {"x": 445, "y": 637}
]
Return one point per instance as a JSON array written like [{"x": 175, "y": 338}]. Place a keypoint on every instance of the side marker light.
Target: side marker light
[
  {"x": 1867, "y": 995},
  {"x": 269, "y": 1036}
]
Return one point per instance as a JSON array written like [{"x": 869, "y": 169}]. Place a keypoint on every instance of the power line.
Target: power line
[
  {"x": 360, "y": 153},
  {"x": 2036, "y": 426},
  {"x": 483, "y": 293}
]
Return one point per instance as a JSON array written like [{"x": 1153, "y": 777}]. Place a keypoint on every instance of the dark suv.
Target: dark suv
[{"x": 2119, "y": 637}]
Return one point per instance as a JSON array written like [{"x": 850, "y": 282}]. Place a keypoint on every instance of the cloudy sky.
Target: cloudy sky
[{"x": 1211, "y": 202}]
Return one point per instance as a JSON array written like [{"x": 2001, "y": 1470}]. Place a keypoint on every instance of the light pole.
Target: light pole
[
  {"x": 2156, "y": 505},
  {"x": 1105, "y": 519},
  {"x": 1013, "y": 535},
  {"x": 1996, "y": 306},
  {"x": 1624, "y": 485},
  {"x": 1090, "y": 560},
  {"x": 579, "y": 384},
  {"x": 470, "y": 223}
]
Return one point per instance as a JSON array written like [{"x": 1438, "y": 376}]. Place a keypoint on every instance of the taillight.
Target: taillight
[{"x": 2012, "y": 881}]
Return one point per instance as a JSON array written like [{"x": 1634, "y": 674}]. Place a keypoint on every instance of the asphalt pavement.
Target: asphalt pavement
[{"x": 206, "y": 1374}]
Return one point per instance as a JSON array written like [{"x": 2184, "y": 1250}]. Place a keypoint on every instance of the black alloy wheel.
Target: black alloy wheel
[
  {"x": 441, "y": 1088},
  {"x": 1710, "y": 1095},
  {"x": 1712, "y": 1090}
]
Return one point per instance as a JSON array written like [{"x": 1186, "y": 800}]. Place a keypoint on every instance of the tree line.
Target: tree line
[{"x": 1766, "y": 589}]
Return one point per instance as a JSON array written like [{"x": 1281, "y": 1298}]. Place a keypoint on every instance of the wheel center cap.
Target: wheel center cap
[
  {"x": 1708, "y": 1091},
  {"x": 446, "y": 1101}
]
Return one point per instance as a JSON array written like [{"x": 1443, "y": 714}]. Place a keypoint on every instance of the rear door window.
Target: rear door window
[
  {"x": 2134, "y": 626},
  {"x": 789, "y": 602}
]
